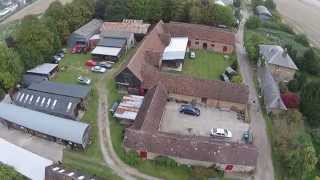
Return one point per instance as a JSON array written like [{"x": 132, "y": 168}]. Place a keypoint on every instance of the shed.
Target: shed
[
  {"x": 128, "y": 108},
  {"x": 109, "y": 49},
  {"x": 25, "y": 162},
  {"x": 128, "y": 36},
  {"x": 48, "y": 125},
  {"x": 46, "y": 70},
  {"x": 69, "y": 90},
  {"x": 174, "y": 53},
  {"x": 84, "y": 33},
  {"x": 57, "y": 105}
]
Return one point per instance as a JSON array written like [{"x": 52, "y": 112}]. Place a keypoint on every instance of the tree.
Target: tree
[
  {"x": 270, "y": 4},
  {"x": 10, "y": 173},
  {"x": 310, "y": 102},
  {"x": 11, "y": 68},
  {"x": 310, "y": 62},
  {"x": 223, "y": 15},
  {"x": 35, "y": 42},
  {"x": 117, "y": 9},
  {"x": 302, "y": 39},
  {"x": 253, "y": 22}
]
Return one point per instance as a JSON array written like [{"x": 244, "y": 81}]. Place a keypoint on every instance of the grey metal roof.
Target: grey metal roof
[
  {"x": 112, "y": 42},
  {"x": 90, "y": 28},
  {"x": 274, "y": 54},
  {"x": 73, "y": 131},
  {"x": 43, "y": 69},
  {"x": 28, "y": 79},
  {"x": 262, "y": 10},
  {"x": 270, "y": 90},
  {"x": 116, "y": 34},
  {"x": 62, "y": 106},
  {"x": 71, "y": 90}
]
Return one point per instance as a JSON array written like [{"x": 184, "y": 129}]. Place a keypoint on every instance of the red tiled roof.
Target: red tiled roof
[
  {"x": 213, "y": 89},
  {"x": 191, "y": 147},
  {"x": 197, "y": 31}
]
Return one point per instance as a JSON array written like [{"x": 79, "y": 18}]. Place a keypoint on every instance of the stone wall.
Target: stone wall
[{"x": 214, "y": 46}]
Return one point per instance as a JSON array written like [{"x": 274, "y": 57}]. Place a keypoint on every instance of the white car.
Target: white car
[
  {"x": 84, "y": 80},
  {"x": 98, "y": 69},
  {"x": 192, "y": 55},
  {"x": 219, "y": 132}
]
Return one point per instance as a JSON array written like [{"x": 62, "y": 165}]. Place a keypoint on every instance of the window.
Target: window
[
  {"x": 21, "y": 97},
  {"x": 197, "y": 42},
  {"x": 225, "y": 48},
  {"x": 38, "y": 99},
  {"x": 31, "y": 98},
  {"x": 48, "y": 103},
  {"x": 26, "y": 99},
  {"x": 212, "y": 45},
  {"x": 69, "y": 106},
  {"x": 54, "y": 104},
  {"x": 204, "y": 45},
  {"x": 43, "y": 100}
]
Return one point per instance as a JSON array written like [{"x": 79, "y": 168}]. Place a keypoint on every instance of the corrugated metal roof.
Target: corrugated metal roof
[
  {"x": 176, "y": 49},
  {"x": 45, "y": 68},
  {"x": 28, "y": 79},
  {"x": 116, "y": 34},
  {"x": 71, "y": 90},
  {"x": 107, "y": 51},
  {"x": 47, "y": 124},
  {"x": 129, "y": 107},
  {"x": 25, "y": 162},
  {"x": 112, "y": 42},
  {"x": 90, "y": 28},
  {"x": 48, "y": 103}
]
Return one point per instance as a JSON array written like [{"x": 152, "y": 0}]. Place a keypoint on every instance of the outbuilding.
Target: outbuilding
[
  {"x": 65, "y": 131},
  {"x": 28, "y": 79},
  {"x": 128, "y": 36},
  {"x": 83, "y": 34},
  {"x": 109, "y": 49},
  {"x": 174, "y": 53},
  {"x": 45, "y": 70}
]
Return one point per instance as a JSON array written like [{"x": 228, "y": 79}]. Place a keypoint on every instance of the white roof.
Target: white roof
[
  {"x": 176, "y": 49},
  {"x": 45, "y": 68},
  {"x": 129, "y": 107},
  {"x": 108, "y": 51},
  {"x": 25, "y": 162},
  {"x": 219, "y": 2},
  {"x": 95, "y": 37}
]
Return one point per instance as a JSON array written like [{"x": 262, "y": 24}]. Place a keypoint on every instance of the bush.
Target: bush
[
  {"x": 293, "y": 85},
  {"x": 132, "y": 158},
  {"x": 276, "y": 25},
  {"x": 236, "y": 79},
  {"x": 165, "y": 161},
  {"x": 302, "y": 39},
  {"x": 253, "y": 22},
  {"x": 235, "y": 65},
  {"x": 2, "y": 94}
]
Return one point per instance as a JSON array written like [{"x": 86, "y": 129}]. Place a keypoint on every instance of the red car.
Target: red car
[
  {"x": 79, "y": 48},
  {"x": 91, "y": 63}
]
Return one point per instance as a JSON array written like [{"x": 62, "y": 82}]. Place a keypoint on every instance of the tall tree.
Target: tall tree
[
  {"x": 310, "y": 102},
  {"x": 9, "y": 173}
]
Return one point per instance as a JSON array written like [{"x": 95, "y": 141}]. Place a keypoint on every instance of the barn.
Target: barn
[{"x": 83, "y": 34}]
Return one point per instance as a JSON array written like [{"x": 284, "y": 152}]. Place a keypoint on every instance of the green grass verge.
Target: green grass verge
[
  {"x": 206, "y": 65},
  {"x": 90, "y": 160}
]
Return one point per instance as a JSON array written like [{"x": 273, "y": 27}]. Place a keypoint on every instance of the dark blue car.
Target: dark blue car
[{"x": 190, "y": 110}]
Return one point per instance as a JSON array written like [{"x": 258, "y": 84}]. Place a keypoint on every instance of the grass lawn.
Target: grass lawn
[
  {"x": 90, "y": 161},
  {"x": 206, "y": 65}
]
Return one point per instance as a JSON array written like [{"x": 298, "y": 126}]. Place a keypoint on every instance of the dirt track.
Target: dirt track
[
  {"x": 303, "y": 15},
  {"x": 37, "y": 7}
]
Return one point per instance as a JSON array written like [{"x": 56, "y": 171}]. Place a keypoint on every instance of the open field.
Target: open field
[
  {"x": 207, "y": 65},
  {"x": 90, "y": 160}
]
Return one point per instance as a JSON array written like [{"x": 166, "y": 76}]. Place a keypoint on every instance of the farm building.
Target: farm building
[
  {"x": 128, "y": 36},
  {"x": 148, "y": 141},
  {"x": 28, "y": 79},
  {"x": 59, "y": 172},
  {"x": 128, "y": 109},
  {"x": 25, "y": 162},
  {"x": 174, "y": 53},
  {"x": 109, "y": 49},
  {"x": 83, "y": 34},
  {"x": 73, "y": 133},
  {"x": 263, "y": 13},
  {"x": 57, "y": 105},
  {"x": 46, "y": 70},
  {"x": 137, "y": 27},
  {"x": 68, "y": 90}
]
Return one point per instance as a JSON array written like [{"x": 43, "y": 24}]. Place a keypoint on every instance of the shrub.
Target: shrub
[
  {"x": 253, "y": 22},
  {"x": 132, "y": 158},
  {"x": 235, "y": 65},
  {"x": 291, "y": 100},
  {"x": 2, "y": 94},
  {"x": 302, "y": 39},
  {"x": 165, "y": 161},
  {"x": 293, "y": 85},
  {"x": 236, "y": 79}
]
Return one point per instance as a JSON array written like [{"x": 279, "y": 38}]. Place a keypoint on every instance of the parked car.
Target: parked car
[
  {"x": 84, "y": 80},
  {"x": 224, "y": 77},
  {"x": 219, "y": 132},
  {"x": 189, "y": 109},
  {"x": 104, "y": 65},
  {"x": 90, "y": 63},
  {"x": 192, "y": 55},
  {"x": 98, "y": 69},
  {"x": 60, "y": 54},
  {"x": 56, "y": 59}
]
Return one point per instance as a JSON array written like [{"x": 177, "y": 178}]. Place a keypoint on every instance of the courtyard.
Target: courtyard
[
  {"x": 175, "y": 122},
  {"x": 206, "y": 65}
]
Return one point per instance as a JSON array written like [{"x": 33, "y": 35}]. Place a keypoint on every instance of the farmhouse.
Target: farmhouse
[
  {"x": 278, "y": 61},
  {"x": 137, "y": 27},
  {"x": 145, "y": 137},
  {"x": 83, "y": 34},
  {"x": 109, "y": 49},
  {"x": 25, "y": 162},
  {"x": 57, "y": 105},
  {"x": 263, "y": 13},
  {"x": 73, "y": 133},
  {"x": 46, "y": 70}
]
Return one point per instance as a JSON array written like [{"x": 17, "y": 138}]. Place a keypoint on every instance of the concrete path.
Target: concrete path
[
  {"x": 110, "y": 156},
  {"x": 303, "y": 16},
  {"x": 264, "y": 165}
]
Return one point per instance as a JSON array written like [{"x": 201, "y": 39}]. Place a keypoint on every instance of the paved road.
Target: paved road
[
  {"x": 264, "y": 165},
  {"x": 110, "y": 156},
  {"x": 303, "y": 16},
  {"x": 37, "y": 7}
]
